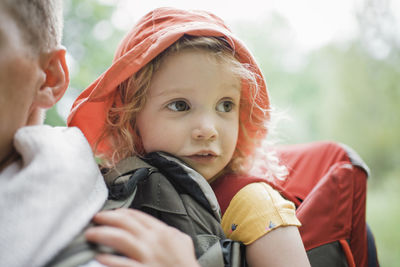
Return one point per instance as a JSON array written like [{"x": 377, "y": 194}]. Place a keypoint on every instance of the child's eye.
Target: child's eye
[
  {"x": 178, "y": 105},
  {"x": 225, "y": 106}
]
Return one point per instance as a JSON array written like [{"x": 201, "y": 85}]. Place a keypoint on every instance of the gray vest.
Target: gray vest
[{"x": 183, "y": 200}]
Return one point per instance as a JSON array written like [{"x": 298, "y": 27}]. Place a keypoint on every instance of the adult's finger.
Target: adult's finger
[
  {"x": 118, "y": 239},
  {"x": 143, "y": 219},
  {"x": 117, "y": 261},
  {"x": 121, "y": 218}
]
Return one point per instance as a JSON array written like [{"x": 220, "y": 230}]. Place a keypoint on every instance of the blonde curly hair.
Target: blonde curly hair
[{"x": 121, "y": 129}]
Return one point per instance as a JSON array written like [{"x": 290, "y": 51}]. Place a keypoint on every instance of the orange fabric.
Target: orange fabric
[
  {"x": 153, "y": 34},
  {"x": 256, "y": 210},
  {"x": 347, "y": 252},
  {"x": 226, "y": 187}
]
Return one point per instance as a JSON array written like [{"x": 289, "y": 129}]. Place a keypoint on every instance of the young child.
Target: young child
[
  {"x": 50, "y": 186},
  {"x": 182, "y": 83}
]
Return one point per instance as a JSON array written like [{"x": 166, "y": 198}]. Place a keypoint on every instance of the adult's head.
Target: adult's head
[
  {"x": 40, "y": 21},
  {"x": 33, "y": 71}
]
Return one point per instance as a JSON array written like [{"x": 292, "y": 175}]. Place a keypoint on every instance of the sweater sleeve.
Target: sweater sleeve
[
  {"x": 256, "y": 210},
  {"x": 48, "y": 196}
]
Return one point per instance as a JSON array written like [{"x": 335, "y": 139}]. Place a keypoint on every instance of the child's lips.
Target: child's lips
[{"x": 206, "y": 157}]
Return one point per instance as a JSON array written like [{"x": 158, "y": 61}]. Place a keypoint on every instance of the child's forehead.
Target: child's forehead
[
  {"x": 232, "y": 88},
  {"x": 190, "y": 58},
  {"x": 189, "y": 70},
  {"x": 211, "y": 55}
]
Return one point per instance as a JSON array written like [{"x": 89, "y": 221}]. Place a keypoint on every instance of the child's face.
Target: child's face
[
  {"x": 192, "y": 111},
  {"x": 19, "y": 75}
]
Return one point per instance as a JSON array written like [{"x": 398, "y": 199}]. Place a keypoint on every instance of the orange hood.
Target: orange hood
[{"x": 149, "y": 37}]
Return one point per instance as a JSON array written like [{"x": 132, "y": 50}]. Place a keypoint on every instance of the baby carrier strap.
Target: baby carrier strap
[
  {"x": 193, "y": 211},
  {"x": 327, "y": 183},
  {"x": 166, "y": 188}
]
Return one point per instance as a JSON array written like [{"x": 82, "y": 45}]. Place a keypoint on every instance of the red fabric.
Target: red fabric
[
  {"x": 326, "y": 213},
  {"x": 332, "y": 190},
  {"x": 154, "y": 33},
  {"x": 308, "y": 162}
]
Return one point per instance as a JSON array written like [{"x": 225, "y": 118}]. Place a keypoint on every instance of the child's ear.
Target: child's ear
[{"x": 56, "y": 81}]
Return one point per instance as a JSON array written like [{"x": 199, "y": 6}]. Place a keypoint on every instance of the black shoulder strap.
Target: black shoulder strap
[{"x": 134, "y": 183}]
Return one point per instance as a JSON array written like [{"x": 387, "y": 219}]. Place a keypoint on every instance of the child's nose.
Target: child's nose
[{"x": 205, "y": 131}]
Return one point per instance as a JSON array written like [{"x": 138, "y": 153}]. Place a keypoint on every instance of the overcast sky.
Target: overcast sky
[
  {"x": 313, "y": 23},
  {"x": 316, "y": 21}
]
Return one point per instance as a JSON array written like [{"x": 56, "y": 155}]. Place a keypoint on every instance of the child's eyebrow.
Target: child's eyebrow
[
  {"x": 233, "y": 87},
  {"x": 230, "y": 87},
  {"x": 173, "y": 91}
]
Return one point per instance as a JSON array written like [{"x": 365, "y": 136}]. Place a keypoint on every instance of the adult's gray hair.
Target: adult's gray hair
[{"x": 41, "y": 21}]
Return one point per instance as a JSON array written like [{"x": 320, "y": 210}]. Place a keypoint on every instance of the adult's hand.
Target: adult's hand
[{"x": 144, "y": 240}]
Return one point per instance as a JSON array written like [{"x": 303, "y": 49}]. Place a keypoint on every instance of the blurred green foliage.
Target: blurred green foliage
[
  {"x": 90, "y": 38},
  {"x": 347, "y": 92}
]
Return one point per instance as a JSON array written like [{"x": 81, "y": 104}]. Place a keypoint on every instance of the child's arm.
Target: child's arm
[
  {"x": 280, "y": 247},
  {"x": 262, "y": 219},
  {"x": 143, "y": 239}
]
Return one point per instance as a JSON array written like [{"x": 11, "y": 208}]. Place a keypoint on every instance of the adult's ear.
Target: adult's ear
[{"x": 57, "y": 78}]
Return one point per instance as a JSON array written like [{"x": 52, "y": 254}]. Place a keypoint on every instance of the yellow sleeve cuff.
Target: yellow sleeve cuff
[{"x": 256, "y": 210}]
